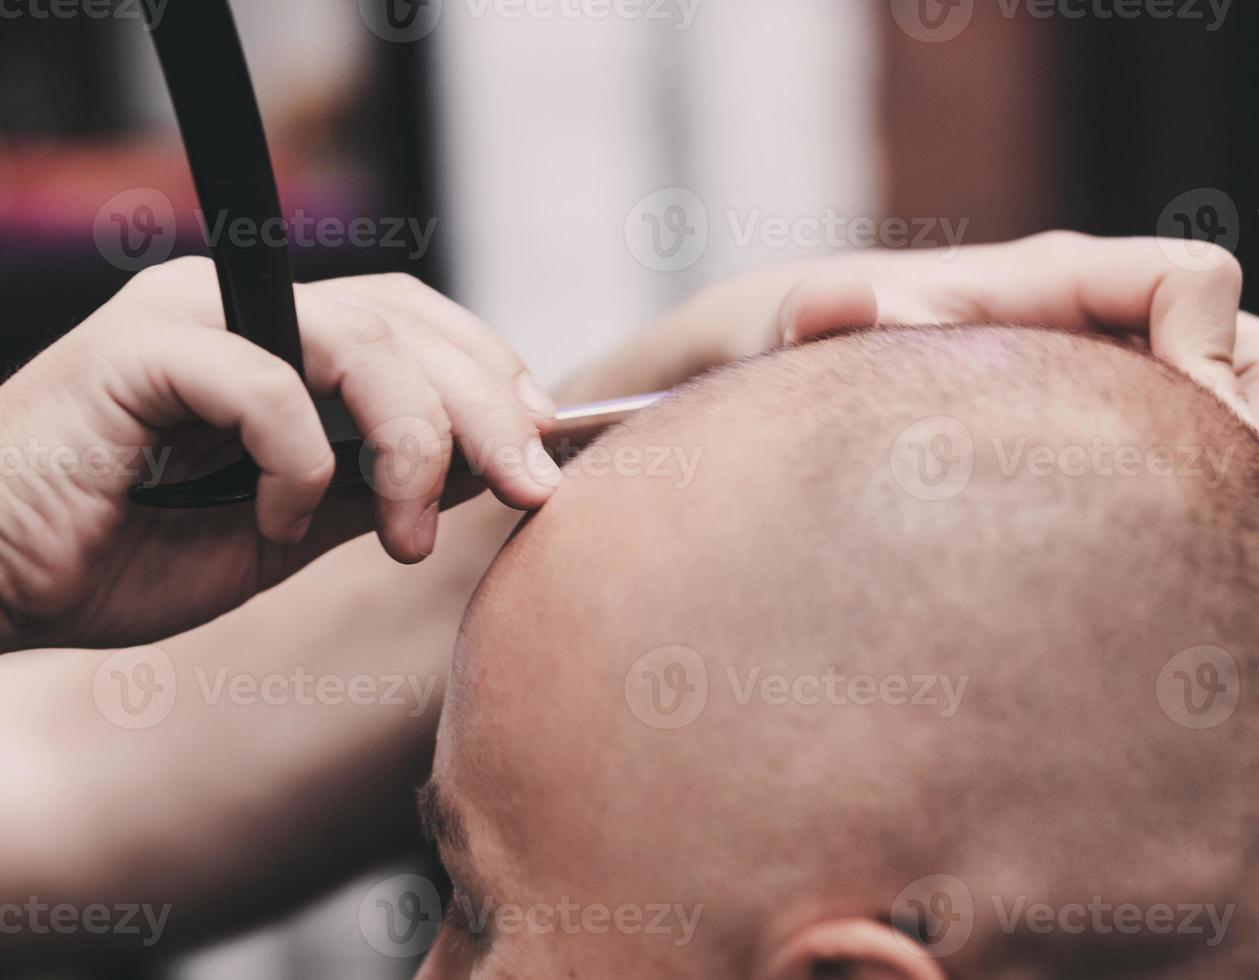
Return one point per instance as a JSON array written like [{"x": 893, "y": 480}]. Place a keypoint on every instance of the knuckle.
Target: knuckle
[
  {"x": 275, "y": 384},
  {"x": 320, "y": 471},
  {"x": 371, "y": 329},
  {"x": 431, "y": 426},
  {"x": 197, "y": 264},
  {"x": 434, "y": 413},
  {"x": 1227, "y": 268},
  {"x": 403, "y": 282},
  {"x": 150, "y": 275},
  {"x": 1209, "y": 262},
  {"x": 1058, "y": 240},
  {"x": 175, "y": 270},
  {"x": 402, "y": 326},
  {"x": 494, "y": 407},
  {"x": 499, "y": 350}
]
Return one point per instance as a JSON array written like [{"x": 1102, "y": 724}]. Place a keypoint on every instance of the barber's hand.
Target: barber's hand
[
  {"x": 1182, "y": 297},
  {"x": 153, "y": 385}
]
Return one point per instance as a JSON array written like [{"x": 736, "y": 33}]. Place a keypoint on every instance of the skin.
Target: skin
[
  {"x": 155, "y": 369},
  {"x": 1179, "y": 299},
  {"x": 798, "y": 826},
  {"x": 337, "y": 780},
  {"x": 346, "y": 773}
]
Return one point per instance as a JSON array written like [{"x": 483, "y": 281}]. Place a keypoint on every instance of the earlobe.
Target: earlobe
[{"x": 852, "y": 948}]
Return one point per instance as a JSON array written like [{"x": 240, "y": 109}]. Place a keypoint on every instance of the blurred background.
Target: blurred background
[{"x": 569, "y": 169}]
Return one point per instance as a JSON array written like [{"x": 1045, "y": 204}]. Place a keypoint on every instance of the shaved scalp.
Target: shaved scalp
[{"x": 934, "y": 603}]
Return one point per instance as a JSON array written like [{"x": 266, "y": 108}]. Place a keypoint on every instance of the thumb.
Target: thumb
[{"x": 823, "y": 304}]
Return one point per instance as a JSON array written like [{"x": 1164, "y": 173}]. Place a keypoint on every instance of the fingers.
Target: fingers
[
  {"x": 1187, "y": 294},
  {"x": 406, "y": 430},
  {"x": 185, "y": 288},
  {"x": 414, "y": 370},
  {"x": 176, "y": 372},
  {"x": 1246, "y": 356},
  {"x": 823, "y": 304},
  {"x": 1193, "y": 325},
  {"x": 351, "y": 345},
  {"x": 497, "y": 437},
  {"x": 420, "y": 303},
  {"x": 1194, "y": 298},
  {"x": 407, "y": 449}
]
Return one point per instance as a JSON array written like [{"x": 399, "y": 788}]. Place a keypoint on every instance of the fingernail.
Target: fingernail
[
  {"x": 426, "y": 530},
  {"x": 534, "y": 398},
  {"x": 298, "y": 531},
  {"x": 788, "y": 331},
  {"x": 542, "y": 467}
]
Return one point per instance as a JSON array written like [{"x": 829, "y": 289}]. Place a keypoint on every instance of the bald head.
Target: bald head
[{"x": 882, "y": 654}]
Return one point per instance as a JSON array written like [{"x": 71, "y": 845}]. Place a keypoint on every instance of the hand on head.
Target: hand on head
[
  {"x": 1180, "y": 299},
  {"x": 895, "y": 664},
  {"x": 153, "y": 379}
]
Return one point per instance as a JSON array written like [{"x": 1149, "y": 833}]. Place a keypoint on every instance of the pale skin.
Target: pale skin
[
  {"x": 158, "y": 357},
  {"x": 790, "y": 823},
  {"x": 1182, "y": 298},
  {"x": 156, "y": 368}
]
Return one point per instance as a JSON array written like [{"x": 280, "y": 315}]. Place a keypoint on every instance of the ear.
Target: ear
[{"x": 854, "y": 949}]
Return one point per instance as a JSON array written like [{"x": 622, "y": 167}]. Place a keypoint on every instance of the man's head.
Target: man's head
[{"x": 914, "y": 653}]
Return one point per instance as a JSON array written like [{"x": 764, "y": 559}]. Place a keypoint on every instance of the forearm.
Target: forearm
[
  {"x": 300, "y": 727},
  {"x": 255, "y": 790}
]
